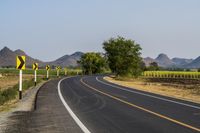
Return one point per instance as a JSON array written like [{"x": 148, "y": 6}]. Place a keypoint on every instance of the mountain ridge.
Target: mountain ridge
[{"x": 8, "y": 59}]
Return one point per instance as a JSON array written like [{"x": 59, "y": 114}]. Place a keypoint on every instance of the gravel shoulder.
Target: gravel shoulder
[{"x": 24, "y": 105}]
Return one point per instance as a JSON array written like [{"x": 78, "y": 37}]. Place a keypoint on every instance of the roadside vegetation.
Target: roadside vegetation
[
  {"x": 123, "y": 58},
  {"x": 41, "y": 72},
  {"x": 93, "y": 63},
  {"x": 9, "y": 78},
  {"x": 11, "y": 93}
]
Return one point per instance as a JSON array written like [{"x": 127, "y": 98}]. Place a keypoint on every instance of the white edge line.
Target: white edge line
[
  {"x": 78, "y": 122},
  {"x": 148, "y": 95}
]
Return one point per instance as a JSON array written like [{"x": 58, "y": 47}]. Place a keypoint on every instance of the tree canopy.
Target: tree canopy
[
  {"x": 124, "y": 56},
  {"x": 92, "y": 63}
]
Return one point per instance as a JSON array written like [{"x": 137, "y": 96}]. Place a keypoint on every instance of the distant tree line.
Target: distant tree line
[
  {"x": 92, "y": 63},
  {"x": 122, "y": 57}
]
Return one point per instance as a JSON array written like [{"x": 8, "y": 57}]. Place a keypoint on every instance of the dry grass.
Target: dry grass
[
  {"x": 175, "y": 91},
  {"x": 11, "y": 80}
]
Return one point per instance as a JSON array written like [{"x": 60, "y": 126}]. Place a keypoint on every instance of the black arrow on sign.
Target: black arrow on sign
[
  {"x": 21, "y": 62},
  {"x": 35, "y": 66}
]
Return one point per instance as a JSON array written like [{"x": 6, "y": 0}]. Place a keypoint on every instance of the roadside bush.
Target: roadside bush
[
  {"x": 11, "y": 93},
  {"x": 8, "y": 94}
]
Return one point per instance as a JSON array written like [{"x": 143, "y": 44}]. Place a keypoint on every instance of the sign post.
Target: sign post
[
  {"x": 47, "y": 68},
  {"x": 35, "y": 68},
  {"x": 58, "y": 70},
  {"x": 20, "y": 65},
  {"x": 65, "y": 69},
  {"x": 20, "y": 84}
]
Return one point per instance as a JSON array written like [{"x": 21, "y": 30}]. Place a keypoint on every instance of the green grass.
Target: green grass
[
  {"x": 12, "y": 92},
  {"x": 52, "y": 72}
]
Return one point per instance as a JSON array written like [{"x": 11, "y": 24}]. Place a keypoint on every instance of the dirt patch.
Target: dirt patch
[{"x": 188, "y": 90}]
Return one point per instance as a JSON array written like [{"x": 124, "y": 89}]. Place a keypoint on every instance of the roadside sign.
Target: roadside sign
[
  {"x": 58, "y": 70},
  {"x": 35, "y": 66},
  {"x": 65, "y": 69},
  {"x": 20, "y": 62},
  {"x": 47, "y": 67}
]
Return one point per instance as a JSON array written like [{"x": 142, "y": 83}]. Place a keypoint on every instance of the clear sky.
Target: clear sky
[{"x": 48, "y": 29}]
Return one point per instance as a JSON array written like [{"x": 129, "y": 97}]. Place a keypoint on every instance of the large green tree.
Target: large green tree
[
  {"x": 124, "y": 56},
  {"x": 92, "y": 63}
]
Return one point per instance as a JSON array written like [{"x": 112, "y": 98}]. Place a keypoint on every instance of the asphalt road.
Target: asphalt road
[
  {"x": 106, "y": 108},
  {"x": 50, "y": 116},
  {"x": 90, "y": 104}
]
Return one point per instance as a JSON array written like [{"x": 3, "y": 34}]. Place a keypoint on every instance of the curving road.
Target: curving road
[
  {"x": 90, "y": 104},
  {"x": 102, "y": 107}
]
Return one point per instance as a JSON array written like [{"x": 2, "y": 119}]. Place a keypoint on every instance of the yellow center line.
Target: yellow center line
[{"x": 141, "y": 108}]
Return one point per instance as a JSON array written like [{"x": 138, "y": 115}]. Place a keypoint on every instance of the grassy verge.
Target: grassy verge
[
  {"x": 53, "y": 72},
  {"x": 12, "y": 92},
  {"x": 182, "y": 89},
  {"x": 9, "y": 81}
]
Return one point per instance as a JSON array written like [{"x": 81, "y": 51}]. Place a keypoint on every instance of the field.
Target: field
[
  {"x": 186, "y": 89},
  {"x": 172, "y": 74},
  {"x": 52, "y": 72},
  {"x": 178, "y": 84},
  {"x": 9, "y": 79}
]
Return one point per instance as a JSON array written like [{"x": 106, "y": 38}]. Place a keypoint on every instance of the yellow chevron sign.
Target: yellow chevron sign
[
  {"x": 47, "y": 67},
  {"x": 58, "y": 68},
  {"x": 35, "y": 66},
  {"x": 20, "y": 62}
]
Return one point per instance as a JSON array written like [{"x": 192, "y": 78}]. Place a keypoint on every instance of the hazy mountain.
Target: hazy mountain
[
  {"x": 29, "y": 60},
  {"x": 181, "y": 61},
  {"x": 194, "y": 64},
  {"x": 148, "y": 60},
  {"x": 68, "y": 60},
  {"x": 164, "y": 61},
  {"x": 8, "y": 58}
]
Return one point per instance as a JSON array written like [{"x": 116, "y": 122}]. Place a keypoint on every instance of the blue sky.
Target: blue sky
[{"x": 48, "y": 29}]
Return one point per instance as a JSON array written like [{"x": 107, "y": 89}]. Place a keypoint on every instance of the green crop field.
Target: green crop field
[
  {"x": 52, "y": 72},
  {"x": 171, "y": 74}
]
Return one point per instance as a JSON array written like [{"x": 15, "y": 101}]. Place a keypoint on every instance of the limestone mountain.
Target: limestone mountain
[
  {"x": 148, "y": 60},
  {"x": 194, "y": 64},
  {"x": 68, "y": 60},
  {"x": 8, "y": 59},
  {"x": 164, "y": 61},
  {"x": 180, "y": 62}
]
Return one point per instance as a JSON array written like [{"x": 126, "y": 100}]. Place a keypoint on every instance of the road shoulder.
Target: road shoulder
[
  {"x": 26, "y": 104},
  {"x": 172, "y": 92}
]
